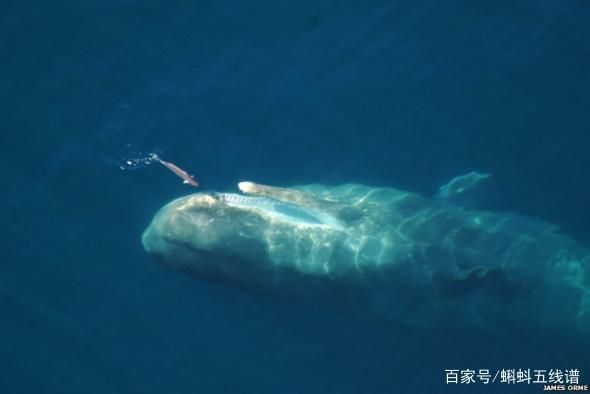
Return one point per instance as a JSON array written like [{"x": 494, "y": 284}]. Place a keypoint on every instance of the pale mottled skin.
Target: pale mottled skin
[{"x": 412, "y": 259}]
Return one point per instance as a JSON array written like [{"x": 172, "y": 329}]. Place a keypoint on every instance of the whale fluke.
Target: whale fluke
[{"x": 463, "y": 189}]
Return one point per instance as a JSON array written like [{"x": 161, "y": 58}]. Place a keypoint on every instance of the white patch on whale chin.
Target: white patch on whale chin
[{"x": 246, "y": 187}]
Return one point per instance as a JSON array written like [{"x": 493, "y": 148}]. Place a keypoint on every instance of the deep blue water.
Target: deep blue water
[{"x": 400, "y": 93}]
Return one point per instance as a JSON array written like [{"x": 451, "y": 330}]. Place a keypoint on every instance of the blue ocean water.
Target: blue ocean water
[{"x": 399, "y": 93}]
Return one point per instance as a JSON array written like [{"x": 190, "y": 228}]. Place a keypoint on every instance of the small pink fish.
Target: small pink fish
[{"x": 186, "y": 177}]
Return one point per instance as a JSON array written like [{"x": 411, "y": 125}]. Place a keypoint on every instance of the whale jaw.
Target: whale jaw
[{"x": 275, "y": 211}]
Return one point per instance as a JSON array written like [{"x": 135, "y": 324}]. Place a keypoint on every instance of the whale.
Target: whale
[{"x": 419, "y": 261}]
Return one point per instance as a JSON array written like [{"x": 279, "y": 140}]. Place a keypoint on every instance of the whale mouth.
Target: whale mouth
[{"x": 281, "y": 211}]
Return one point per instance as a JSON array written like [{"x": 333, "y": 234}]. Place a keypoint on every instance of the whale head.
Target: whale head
[{"x": 238, "y": 239}]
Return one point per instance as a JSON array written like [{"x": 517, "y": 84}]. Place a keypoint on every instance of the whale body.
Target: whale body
[{"x": 416, "y": 260}]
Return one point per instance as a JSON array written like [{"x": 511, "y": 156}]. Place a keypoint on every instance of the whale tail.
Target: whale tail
[{"x": 464, "y": 189}]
